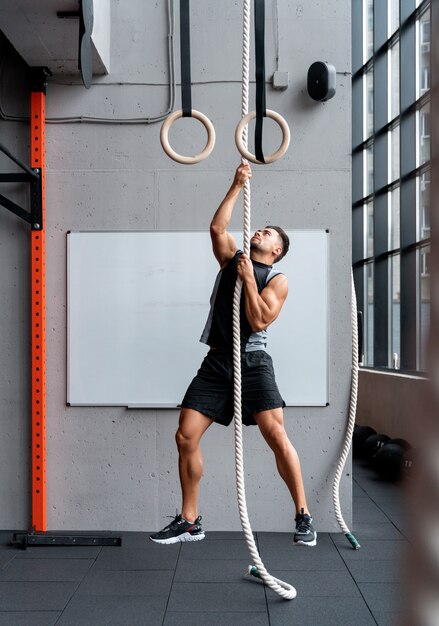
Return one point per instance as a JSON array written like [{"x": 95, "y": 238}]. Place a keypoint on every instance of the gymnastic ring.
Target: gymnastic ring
[
  {"x": 272, "y": 157},
  {"x": 187, "y": 160}
]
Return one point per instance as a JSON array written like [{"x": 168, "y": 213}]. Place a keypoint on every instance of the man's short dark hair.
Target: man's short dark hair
[{"x": 285, "y": 242}]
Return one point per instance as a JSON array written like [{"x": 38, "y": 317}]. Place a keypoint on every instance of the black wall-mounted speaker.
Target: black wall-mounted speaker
[{"x": 321, "y": 81}]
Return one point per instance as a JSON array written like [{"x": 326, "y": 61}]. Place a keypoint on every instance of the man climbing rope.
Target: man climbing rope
[{"x": 209, "y": 397}]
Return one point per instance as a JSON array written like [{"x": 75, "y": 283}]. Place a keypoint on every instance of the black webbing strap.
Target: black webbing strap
[
  {"x": 260, "y": 76},
  {"x": 185, "y": 58}
]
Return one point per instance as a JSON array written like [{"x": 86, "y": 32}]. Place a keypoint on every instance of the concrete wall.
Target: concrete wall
[
  {"x": 395, "y": 404},
  {"x": 112, "y": 468}
]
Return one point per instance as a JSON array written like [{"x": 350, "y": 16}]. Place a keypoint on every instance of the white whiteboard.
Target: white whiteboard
[{"x": 138, "y": 302}]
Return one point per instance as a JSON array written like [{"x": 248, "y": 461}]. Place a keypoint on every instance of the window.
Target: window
[
  {"x": 392, "y": 180},
  {"x": 368, "y": 20},
  {"x": 423, "y": 305},
  {"x": 423, "y": 206},
  {"x": 368, "y": 170},
  {"x": 424, "y": 53},
  {"x": 393, "y": 99},
  {"x": 395, "y": 308},
  {"x": 394, "y": 218},
  {"x": 368, "y": 314},
  {"x": 424, "y": 134},
  {"x": 368, "y": 229},
  {"x": 393, "y": 20},
  {"x": 368, "y": 104},
  {"x": 393, "y": 155}
]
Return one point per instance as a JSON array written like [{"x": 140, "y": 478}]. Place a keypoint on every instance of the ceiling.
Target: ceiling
[{"x": 42, "y": 38}]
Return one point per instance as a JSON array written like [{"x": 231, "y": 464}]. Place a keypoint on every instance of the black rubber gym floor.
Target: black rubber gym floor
[{"x": 202, "y": 584}]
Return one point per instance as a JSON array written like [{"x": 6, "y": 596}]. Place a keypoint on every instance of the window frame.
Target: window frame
[{"x": 410, "y": 34}]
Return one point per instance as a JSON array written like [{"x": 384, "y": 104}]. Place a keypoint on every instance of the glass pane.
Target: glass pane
[
  {"x": 423, "y": 305},
  {"x": 393, "y": 16},
  {"x": 368, "y": 21},
  {"x": 394, "y": 206},
  {"x": 368, "y": 103},
  {"x": 395, "y": 304},
  {"x": 424, "y": 134},
  {"x": 394, "y": 154},
  {"x": 394, "y": 81},
  {"x": 424, "y": 206},
  {"x": 368, "y": 229},
  {"x": 368, "y": 170},
  {"x": 368, "y": 314},
  {"x": 424, "y": 53}
]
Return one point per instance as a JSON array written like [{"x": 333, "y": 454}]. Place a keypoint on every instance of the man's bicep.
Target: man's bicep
[
  {"x": 224, "y": 246},
  {"x": 274, "y": 295}
]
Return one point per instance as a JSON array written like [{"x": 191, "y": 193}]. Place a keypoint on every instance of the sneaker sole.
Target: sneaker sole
[
  {"x": 184, "y": 538},
  {"x": 306, "y": 543}
]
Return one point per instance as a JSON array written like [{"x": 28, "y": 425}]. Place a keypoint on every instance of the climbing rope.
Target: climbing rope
[
  {"x": 283, "y": 589},
  {"x": 351, "y": 421}
]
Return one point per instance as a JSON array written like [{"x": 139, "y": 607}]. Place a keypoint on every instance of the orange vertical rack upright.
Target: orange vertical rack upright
[
  {"x": 38, "y": 307},
  {"x": 35, "y": 175}
]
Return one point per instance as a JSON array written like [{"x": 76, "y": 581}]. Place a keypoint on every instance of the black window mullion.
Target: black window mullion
[
  {"x": 408, "y": 309},
  {"x": 381, "y": 156},
  {"x": 357, "y": 35},
  {"x": 357, "y": 111},
  {"x": 408, "y": 141},
  {"x": 358, "y": 234},
  {"x": 408, "y": 66},
  {"x": 406, "y": 9},
  {"x": 408, "y": 212},
  {"x": 380, "y": 97},
  {"x": 381, "y": 312},
  {"x": 359, "y": 292},
  {"x": 357, "y": 176},
  {"x": 380, "y": 22},
  {"x": 381, "y": 225}
]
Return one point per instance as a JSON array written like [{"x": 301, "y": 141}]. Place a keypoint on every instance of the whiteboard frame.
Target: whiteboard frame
[{"x": 153, "y": 405}]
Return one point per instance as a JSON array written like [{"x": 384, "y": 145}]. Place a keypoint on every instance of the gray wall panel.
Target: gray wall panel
[{"x": 116, "y": 469}]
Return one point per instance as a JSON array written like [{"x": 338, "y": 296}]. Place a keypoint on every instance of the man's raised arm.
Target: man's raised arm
[{"x": 224, "y": 245}]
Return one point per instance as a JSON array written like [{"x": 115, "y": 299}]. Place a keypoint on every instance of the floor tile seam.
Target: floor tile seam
[
  {"x": 217, "y": 611},
  {"x": 79, "y": 579},
  {"x": 43, "y": 582},
  {"x": 389, "y": 518},
  {"x": 263, "y": 584},
  {"x": 40, "y": 582},
  {"x": 30, "y": 611},
  {"x": 377, "y": 504},
  {"x": 93, "y": 561},
  {"x": 396, "y": 583},
  {"x": 171, "y": 585},
  {"x": 169, "y": 569},
  {"x": 232, "y": 581},
  {"x": 380, "y": 510},
  {"x": 357, "y": 586},
  {"x": 8, "y": 563}
]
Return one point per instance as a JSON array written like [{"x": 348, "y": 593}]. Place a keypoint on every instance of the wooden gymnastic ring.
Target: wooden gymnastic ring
[
  {"x": 187, "y": 160},
  {"x": 285, "y": 137}
]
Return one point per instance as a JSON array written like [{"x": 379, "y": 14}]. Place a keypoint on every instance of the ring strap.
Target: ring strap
[
  {"x": 260, "y": 76},
  {"x": 185, "y": 58}
]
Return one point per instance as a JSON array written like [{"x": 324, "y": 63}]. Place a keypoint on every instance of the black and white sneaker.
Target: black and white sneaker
[
  {"x": 305, "y": 534},
  {"x": 179, "y": 530}
]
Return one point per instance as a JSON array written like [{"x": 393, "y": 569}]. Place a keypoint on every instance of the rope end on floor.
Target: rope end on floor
[
  {"x": 253, "y": 571},
  {"x": 350, "y": 537}
]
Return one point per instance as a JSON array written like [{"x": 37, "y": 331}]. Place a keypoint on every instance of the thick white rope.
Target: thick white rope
[
  {"x": 283, "y": 589},
  {"x": 351, "y": 421}
]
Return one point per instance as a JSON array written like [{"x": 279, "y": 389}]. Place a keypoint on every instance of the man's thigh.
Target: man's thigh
[{"x": 193, "y": 424}]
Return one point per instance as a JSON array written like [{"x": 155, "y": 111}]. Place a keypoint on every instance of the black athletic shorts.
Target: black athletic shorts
[{"x": 211, "y": 391}]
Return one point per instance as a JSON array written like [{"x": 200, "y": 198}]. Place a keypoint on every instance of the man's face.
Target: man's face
[{"x": 266, "y": 240}]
